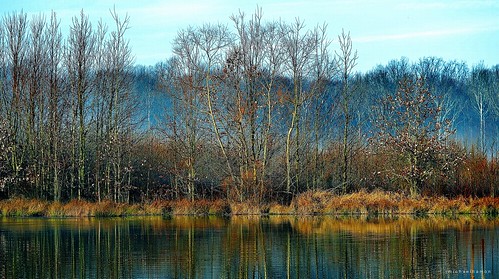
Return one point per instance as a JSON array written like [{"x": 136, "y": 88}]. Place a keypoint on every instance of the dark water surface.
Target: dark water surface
[{"x": 249, "y": 247}]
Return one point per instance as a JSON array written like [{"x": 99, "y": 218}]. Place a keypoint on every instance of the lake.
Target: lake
[{"x": 249, "y": 247}]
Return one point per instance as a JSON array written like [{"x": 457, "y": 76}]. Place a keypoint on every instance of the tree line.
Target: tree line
[
  {"x": 259, "y": 111},
  {"x": 66, "y": 108}
]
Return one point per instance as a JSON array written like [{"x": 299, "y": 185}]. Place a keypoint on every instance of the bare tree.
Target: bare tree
[
  {"x": 494, "y": 100},
  {"x": 186, "y": 79},
  {"x": 494, "y": 105},
  {"x": 36, "y": 103},
  {"x": 4, "y": 96},
  {"x": 16, "y": 26},
  {"x": 299, "y": 47},
  {"x": 347, "y": 60},
  {"x": 100, "y": 105},
  {"x": 181, "y": 79},
  {"x": 79, "y": 60},
  {"x": 199, "y": 55},
  {"x": 185, "y": 123},
  {"x": 121, "y": 106},
  {"x": 249, "y": 74},
  {"x": 479, "y": 89},
  {"x": 212, "y": 40},
  {"x": 409, "y": 128},
  {"x": 315, "y": 108},
  {"x": 444, "y": 79},
  {"x": 272, "y": 65},
  {"x": 6, "y": 146},
  {"x": 55, "y": 109}
]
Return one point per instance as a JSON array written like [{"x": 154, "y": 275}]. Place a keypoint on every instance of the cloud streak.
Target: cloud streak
[{"x": 424, "y": 34}]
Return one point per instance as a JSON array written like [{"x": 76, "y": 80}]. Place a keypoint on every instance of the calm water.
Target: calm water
[{"x": 243, "y": 247}]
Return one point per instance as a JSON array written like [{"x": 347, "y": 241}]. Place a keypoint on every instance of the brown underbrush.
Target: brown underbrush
[
  {"x": 387, "y": 203},
  {"x": 309, "y": 203},
  {"x": 248, "y": 208},
  {"x": 74, "y": 208},
  {"x": 23, "y": 207}
]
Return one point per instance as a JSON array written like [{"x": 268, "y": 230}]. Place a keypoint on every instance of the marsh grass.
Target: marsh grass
[
  {"x": 74, "y": 208},
  {"x": 195, "y": 208},
  {"x": 243, "y": 208},
  {"x": 23, "y": 207},
  {"x": 389, "y": 203},
  {"x": 309, "y": 203}
]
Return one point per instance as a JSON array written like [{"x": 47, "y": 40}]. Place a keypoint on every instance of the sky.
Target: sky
[{"x": 383, "y": 30}]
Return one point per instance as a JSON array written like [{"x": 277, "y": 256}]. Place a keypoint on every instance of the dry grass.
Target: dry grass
[
  {"x": 220, "y": 207},
  {"x": 241, "y": 208},
  {"x": 388, "y": 203},
  {"x": 77, "y": 208},
  {"x": 308, "y": 203},
  {"x": 487, "y": 205},
  {"x": 74, "y": 208},
  {"x": 311, "y": 202},
  {"x": 157, "y": 207},
  {"x": 23, "y": 207},
  {"x": 362, "y": 202}
]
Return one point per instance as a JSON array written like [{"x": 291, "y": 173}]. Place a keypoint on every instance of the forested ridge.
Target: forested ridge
[{"x": 256, "y": 111}]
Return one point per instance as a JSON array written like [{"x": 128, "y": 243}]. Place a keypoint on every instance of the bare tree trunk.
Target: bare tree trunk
[
  {"x": 16, "y": 31},
  {"x": 79, "y": 62},
  {"x": 120, "y": 107},
  {"x": 288, "y": 148},
  {"x": 215, "y": 126},
  {"x": 480, "y": 86},
  {"x": 347, "y": 61},
  {"x": 298, "y": 48}
]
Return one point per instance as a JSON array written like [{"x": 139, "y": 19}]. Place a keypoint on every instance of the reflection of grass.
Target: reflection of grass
[
  {"x": 405, "y": 224},
  {"x": 308, "y": 203},
  {"x": 354, "y": 225},
  {"x": 198, "y": 207}
]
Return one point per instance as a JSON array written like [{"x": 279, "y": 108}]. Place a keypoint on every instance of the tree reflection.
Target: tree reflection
[{"x": 249, "y": 247}]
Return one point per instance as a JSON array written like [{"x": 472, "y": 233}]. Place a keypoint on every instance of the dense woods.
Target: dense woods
[{"x": 257, "y": 111}]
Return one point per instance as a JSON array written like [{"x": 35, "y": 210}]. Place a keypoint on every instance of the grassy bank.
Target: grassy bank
[
  {"x": 75, "y": 208},
  {"x": 308, "y": 203},
  {"x": 387, "y": 203}
]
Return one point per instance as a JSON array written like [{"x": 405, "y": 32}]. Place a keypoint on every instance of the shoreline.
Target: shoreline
[{"x": 311, "y": 203}]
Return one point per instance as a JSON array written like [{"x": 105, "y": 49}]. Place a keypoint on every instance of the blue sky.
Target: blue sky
[{"x": 466, "y": 30}]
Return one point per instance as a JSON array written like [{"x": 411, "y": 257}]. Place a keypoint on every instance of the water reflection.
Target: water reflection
[{"x": 248, "y": 247}]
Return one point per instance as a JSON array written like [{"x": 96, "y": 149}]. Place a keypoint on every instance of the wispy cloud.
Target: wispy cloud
[
  {"x": 160, "y": 13},
  {"x": 446, "y": 5},
  {"x": 424, "y": 34}
]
